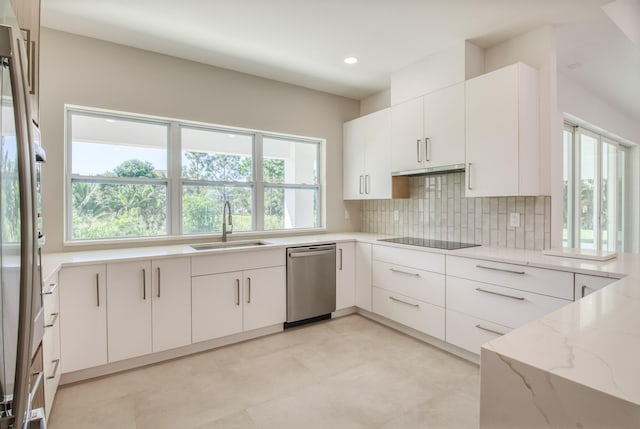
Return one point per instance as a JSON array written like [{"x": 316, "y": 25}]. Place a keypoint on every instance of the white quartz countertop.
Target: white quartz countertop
[{"x": 594, "y": 341}]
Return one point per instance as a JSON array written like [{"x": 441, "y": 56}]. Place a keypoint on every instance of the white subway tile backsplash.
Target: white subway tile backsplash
[{"x": 438, "y": 209}]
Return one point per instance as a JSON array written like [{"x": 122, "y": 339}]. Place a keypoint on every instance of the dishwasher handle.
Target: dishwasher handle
[{"x": 311, "y": 253}]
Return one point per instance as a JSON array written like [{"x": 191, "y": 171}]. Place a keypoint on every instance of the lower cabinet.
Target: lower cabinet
[
  {"x": 83, "y": 317},
  {"x": 51, "y": 340},
  {"x": 345, "y": 275},
  {"x": 363, "y": 254},
  {"x": 586, "y": 284},
  {"x": 229, "y": 303}
]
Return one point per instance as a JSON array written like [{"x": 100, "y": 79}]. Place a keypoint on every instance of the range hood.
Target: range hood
[{"x": 431, "y": 171}]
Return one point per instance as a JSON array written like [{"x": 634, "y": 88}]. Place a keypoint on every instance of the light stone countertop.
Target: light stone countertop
[{"x": 594, "y": 342}]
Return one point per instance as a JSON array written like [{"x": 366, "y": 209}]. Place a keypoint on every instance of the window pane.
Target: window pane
[
  {"x": 621, "y": 200},
  {"x": 118, "y": 210},
  {"x": 202, "y": 208},
  {"x": 290, "y": 208},
  {"x": 588, "y": 191},
  {"x": 567, "y": 194},
  {"x": 106, "y": 146},
  {"x": 216, "y": 156},
  {"x": 609, "y": 197},
  {"x": 290, "y": 161}
]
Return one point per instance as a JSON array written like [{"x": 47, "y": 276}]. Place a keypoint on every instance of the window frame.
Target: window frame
[{"x": 174, "y": 181}]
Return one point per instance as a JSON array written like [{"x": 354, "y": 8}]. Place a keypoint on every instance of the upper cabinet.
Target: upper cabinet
[
  {"x": 502, "y": 133},
  {"x": 428, "y": 132},
  {"x": 28, "y": 16},
  {"x": 366, "y": 161}
]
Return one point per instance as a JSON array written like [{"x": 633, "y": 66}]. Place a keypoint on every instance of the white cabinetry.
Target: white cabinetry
[
  {"x": 51, "y": 340},
  {"x": 409, "y": 288},
  {"x": 587, "y": 284},
  {"x": 251, "y": 296},
  {"x": 363, "y": 275},
  {"x": 487, "y": 299},
  {"x": 428, "y": 132},
  {"x": 149, "y": 307},
  {"x": 366, "y": 161},
  {"x": 83, "y": 317},
  {"x": 345, "y": 275},
  {"x": 502, "y": 135}
]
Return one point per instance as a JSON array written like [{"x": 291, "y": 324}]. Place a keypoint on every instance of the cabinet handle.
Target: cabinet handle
[
  {"x": 418, "y": 154},
  {"x": 56, "y": 364},
  {"x": 52, "y": 288},
  {"x": 340, "y": 253},
  {"x": 144, "y": 284},
  {"x": 469, "y": 187},
  {"x": 490, "y": 330},
  {"x": 404, "y": 272},
  {"x": 238, "y": 292},
  {"x": 484, "y": 267},
  {"x": 53, "y": 320},
  {"x": 584, "y": 289},
  {"x": 366, "y": 184},
  {"x": 249, "y": 290},
  {"x": 158, "y": 282},
  {"x": 393, "y": 298},
  {"x": 427, "y": 152},
  {"x": 361, "y": 177},
  {"x": 98, "y": 289},
  {"x": 519, "y": 298}
]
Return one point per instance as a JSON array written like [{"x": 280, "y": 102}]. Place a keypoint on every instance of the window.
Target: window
[
  {"x": 140, "y": 177},
  {"x": 595, "y": 185}
]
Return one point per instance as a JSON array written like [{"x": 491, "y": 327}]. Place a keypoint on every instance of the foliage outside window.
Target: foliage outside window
[
  {"x": 121, "y": 183},
  {"x": 595, "y": 182}
]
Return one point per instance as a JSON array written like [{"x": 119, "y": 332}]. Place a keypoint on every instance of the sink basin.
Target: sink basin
[{"x": 227, "y": 245}]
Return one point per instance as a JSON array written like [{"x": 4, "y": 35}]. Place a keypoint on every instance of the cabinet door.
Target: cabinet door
[
  {"x": 492, "y": 134},
  {"x": 363, "y": 275},
  {"x": 353, "y": 159},
  {"x": 265, "y": 297},
  {"x": 171, "y": 297},
  {"x": 216, "y": 305},
  {"x": 377, "y": 174},
  {"x": 586, "y": 284},
  {"x": 345, "y": 275},
  {"x": 407, "y": 135},
  {"x": 129, "y": 309},
  {"x": 51, "y": 340},
  {"x": 83, "y": 317},
  {"x": 444, "y": 127}
]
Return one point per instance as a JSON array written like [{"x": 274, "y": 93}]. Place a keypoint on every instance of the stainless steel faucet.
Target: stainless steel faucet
[{"x": 224, "y": 222}]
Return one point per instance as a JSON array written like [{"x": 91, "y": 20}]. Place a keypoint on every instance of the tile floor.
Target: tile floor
[{"x": 349, "y": 372}]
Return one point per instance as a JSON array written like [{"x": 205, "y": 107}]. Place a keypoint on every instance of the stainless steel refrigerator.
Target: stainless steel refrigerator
[{"x": 20, "y": 290}]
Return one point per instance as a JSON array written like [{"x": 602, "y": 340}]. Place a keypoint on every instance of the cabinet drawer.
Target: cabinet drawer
[
  {"x": 236, "y": 261},
  {"x": 415, "y": 314},
  {"x": 410, "y": 258},
  {"x": 51, "y": 364},
  {"x": 505, "y": 306},
  {"x": 418, "y": 284},
  {"x": 537, "y": 280},
  {"x": 50, "y": 296},
  {"x": 586, "y": 284},
  {"x": 470, "y": 333}
]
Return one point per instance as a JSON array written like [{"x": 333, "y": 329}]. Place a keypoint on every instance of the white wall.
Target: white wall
[
  {"x": 373, "y": 103},
  {"x": 87, "y": 72}
]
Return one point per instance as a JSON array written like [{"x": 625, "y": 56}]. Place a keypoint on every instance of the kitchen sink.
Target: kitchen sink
[{"x": 228, "y": 245}]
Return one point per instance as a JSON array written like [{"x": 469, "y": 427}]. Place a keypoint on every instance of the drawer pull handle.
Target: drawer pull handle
[
  {"x": 519, "y": 298},
  {"x": 56, "y": 364},
  {"x": 249, "y": 290},
  {"x": 98, "y": 289},
  {"x": 584, "y": 289},
  {"x": 404, "y": 272},
  {"x": 490, "y": 330},
  {"x": 500, "y": 269},
  {"x": 393, "y": 298},
  {"x": 237, "y": 292},
  {"x": 53, "y": 320},
  {"x": 144, "y": 284},
  {"x": 52, "y": 288}
]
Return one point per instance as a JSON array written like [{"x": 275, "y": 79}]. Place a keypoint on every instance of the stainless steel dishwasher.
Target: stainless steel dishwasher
[{"x": 311, "y": 283}]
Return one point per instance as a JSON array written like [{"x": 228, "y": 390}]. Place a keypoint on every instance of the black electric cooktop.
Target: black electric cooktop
[{"x": 436, "y": 244}]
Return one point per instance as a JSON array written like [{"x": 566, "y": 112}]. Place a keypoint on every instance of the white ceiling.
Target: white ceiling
[{"x": 303, "y": 42}]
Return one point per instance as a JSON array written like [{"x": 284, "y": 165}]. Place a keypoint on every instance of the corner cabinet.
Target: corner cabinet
[
  {"x": 428, "y": 131},
  {"x": 366, "y": 162},
  {"x": 502, "y": 135}
]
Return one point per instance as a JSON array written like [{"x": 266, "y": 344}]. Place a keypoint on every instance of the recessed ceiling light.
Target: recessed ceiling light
[
  {"x": 111, "y": 121},
  {"x": 350, "y": 60}
]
